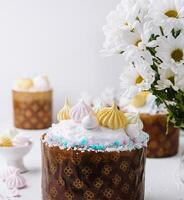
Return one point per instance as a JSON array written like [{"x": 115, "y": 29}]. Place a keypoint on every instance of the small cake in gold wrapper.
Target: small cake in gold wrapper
[
  {"x": 94, "y": 158},
  {"x": 163, "y": 142},
  {"x": 164, "y": 137},
  {"x": 32, "y": 103}
]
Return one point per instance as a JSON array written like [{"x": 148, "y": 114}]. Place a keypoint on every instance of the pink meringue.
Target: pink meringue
[
  {"x": 16, "y": 181},
  {"x": 79, "y": 111},
  {"x": 21, "y": 140},
  {"x": 8, "y": 171},
  {"x": 15, "y": 192}
]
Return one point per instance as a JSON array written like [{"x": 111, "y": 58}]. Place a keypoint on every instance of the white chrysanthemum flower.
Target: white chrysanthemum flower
[
  {"x": 167, "y": 78},
  {"x": 171, "y": 50},
  {"x": 123, "y": 27},
  {"x": 175, "y": 25},
  {"x": 137, "y": 55},
  {"x": 136, "y": 79},
  {"x": 164, "y": 9},
  {"x": 158, "y": 29},
  {"x": 136, "y": 10},
  {"x": 179, "y": 80},
  {"x": 116, "y": 42}
]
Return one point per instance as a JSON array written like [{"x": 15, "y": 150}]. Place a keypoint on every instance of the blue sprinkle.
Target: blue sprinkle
[
  {"x": 101, "y": 147},
  {"x": 83, "y": 141},
  {"x": 97, "y": 147},
  {"x": 117, "y": 143},
  {"x": 93, "y": 147},
  {"x": 65, "y": 144}
]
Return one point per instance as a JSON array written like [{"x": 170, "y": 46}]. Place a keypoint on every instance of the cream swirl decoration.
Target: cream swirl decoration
[
  {"x": 134, "y": 125},
  {"x": 140, "y": 99},
  {"x": 21, "y": 140},
  {"x": 133, "y": 118},
  {"x": 64, "y": 113},
  {"x": 111, "y": 117},
  {"x": 16, "y": 181},
  {"x": 90, "y": 122},
  {"x": 8, "y": 171},
  {"x": 79, "y": 111}
]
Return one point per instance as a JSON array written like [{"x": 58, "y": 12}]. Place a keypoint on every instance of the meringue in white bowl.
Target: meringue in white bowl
[{"x": 14, "y": 155}]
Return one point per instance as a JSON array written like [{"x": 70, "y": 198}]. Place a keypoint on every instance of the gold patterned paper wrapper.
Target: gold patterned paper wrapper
[
  {"x": 32, "y": 110},
  {"x": 89, "y": 175},
  {"x": 160, "y": 144}
]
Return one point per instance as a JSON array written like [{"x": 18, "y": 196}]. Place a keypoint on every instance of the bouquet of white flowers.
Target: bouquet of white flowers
[{"x": 149, "y": 35}]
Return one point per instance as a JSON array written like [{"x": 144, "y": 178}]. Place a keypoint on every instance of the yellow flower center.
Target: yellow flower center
[
  {"x": 139, "y": 80},
  {"x": 126, "y": 23},
  {"x": 137, "y": 42},
  {"x": 177, "y": 55},
  {"x": 172, "y": 13},
  {"x": 171, "y": 78}
]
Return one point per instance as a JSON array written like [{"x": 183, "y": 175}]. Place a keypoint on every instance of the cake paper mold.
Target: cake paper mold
[
  {"x": 161, "y": 143},
  {"x": 32, "y": 110},
  {"x": 89, "y": 175}
]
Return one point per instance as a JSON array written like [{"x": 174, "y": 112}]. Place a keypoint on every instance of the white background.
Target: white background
[{"x": 61, "y": 38}]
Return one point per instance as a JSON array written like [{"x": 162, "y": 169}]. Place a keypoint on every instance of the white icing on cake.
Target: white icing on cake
[
  {"x": 39, "y": 84},
  {"x": 69, "y": 134}
]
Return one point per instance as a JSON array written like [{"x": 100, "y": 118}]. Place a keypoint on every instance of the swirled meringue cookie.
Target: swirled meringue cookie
[
  {"x": 79, "y": 111},
  {"x": 112, "y": 117},
  {"x": 16, "y": 180},
  {"x": 8, "y": 171},
  {"x": 37, "y": 84},
  {"x": 21, "y": 140},
  {"x": 64, "y": 113},
  {"x": 90, "y": 122},
  {"x": 15, "y": 192},
  {"x": 109, "y": 130},
  {"x": 144, "y": 104},
  {"x": 11, "y": 137}
]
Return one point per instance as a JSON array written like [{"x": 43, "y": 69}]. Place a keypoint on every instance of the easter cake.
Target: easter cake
[
  {"x": 164, "y": 137},
  {"x": 94, "y": 156},
  {"x": 32, "y": 103}
]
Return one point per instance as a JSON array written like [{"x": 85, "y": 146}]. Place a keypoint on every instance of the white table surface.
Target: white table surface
[{"x": 162, "y": 175}]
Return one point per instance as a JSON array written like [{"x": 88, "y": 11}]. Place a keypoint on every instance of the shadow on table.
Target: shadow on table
[
  {"x": 35, "y": 171},
  {"x": 150, "y": 198}
]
